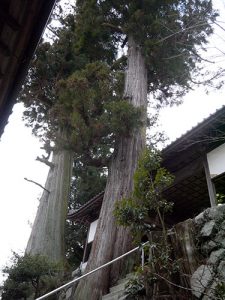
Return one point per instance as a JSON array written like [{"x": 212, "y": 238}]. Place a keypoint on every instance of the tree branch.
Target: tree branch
[
  {"x": 52, "y": 31},
  {"x": 217, "y": 75},
  {"x": 29, "y": 180},
  {"x": 45, "y": 161},
  {"x": 182, "y": 287},
  {"x": 48, "y": 148},
  {"x": 181, "y": 31},
  {"x": 221, "y": 27},
  {"x": 204, "y": 59},
  {"x": 97, "y": 162},
  {"x": 116, "y": 28}
]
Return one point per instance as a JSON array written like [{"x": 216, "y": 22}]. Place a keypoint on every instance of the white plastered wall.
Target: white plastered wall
[
  {"x": 92, "y": 230},
  {"x": 216, "y": 161}
]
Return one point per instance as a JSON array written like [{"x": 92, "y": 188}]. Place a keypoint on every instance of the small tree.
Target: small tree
[
  {"x": 144, "y": 213},
  {"x": 29, "y": 275},
  {"x": 147, "y": 201}
]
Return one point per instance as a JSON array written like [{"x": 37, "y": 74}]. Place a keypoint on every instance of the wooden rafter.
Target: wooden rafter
[{"x": 8, "y": 19}]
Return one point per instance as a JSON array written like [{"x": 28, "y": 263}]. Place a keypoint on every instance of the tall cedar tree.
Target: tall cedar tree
[
  {"x": 163, "y": 38},
  {"x": 73, "y": 100},
  {"x": 51, "y": 63}
]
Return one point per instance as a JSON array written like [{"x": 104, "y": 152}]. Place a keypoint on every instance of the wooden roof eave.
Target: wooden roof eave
[
  {"x": 198, "y": 134},
  {"x": 17, "y": 58},
  {"x": 89, "y": 209}
]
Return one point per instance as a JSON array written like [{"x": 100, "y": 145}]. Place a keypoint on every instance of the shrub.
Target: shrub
[{"x": 29, "y": 275}]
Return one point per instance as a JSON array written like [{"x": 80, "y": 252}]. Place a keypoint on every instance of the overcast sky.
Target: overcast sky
[{"x": 19, "y": 149}]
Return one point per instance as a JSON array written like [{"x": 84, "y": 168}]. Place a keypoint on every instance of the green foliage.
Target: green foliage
[
  {"x": 131, "y": 214},
  {"x": 220, "y": 198},
  {"x": 29, "y": 276},
  {"x": 51, "y": 63},
  {"x": 64, "y": 90},
  {"x": 149, "y": 182},
  {"x": 15, "y": 290},
  {"x": 73, "y": 68},
  {"x": 75, "y": 85},
  {"x": 219, "y": 291},
  {"x": 87, "y": 182},
  {"x": 75, "y": 235},
  {"x": 69, "y": 90},
  {"x": 90, "y": 106},
  {"x": 92, "y": 38},
  {"x": 142, "y": 213},
  {"x": 135, "y": 288},
  {"x": 170, "y": 33},
  {"x": 121, "y": 117},
  {"x": 144, "y": 283}
]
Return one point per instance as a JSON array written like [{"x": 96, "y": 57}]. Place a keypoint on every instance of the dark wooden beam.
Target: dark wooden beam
[
  {"x": 4, "y": 49},
  {"x": 85, "y": 247},
  {"x": 210, "y": 184},
  {"x": 5, "y": 16},
  {"x": 34, "y": 21},
  {"x": 189, "y": 170}
]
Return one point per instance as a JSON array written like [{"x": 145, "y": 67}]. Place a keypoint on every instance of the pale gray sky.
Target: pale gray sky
[
  {"x": 198, "y": 104},
  {"x": 18, "y": 198},
  {"x": 19, "y": 149}
]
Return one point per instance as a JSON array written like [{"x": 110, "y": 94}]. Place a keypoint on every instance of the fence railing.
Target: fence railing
[{"x": 70, "y": 283}]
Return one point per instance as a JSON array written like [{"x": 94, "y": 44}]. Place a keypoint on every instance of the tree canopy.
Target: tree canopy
[
  {"x": 72, "y": 86},
  {"x": 73, "y": 98},
  {"x": 169, "y": 32},
  {"x": 162, "y": 38},
  {"x": 76, "y": 94}
]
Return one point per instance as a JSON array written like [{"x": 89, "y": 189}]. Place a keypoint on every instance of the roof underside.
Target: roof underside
[
  {"x": 89, "y": 212},
  {"x": 205, "y": 136},
  {"x": 183, "y": 158},
  {"x": 21, "y": 25}
]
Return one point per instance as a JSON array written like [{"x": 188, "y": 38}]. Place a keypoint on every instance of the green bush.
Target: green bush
[
  {"x": 150, "y": 180},
  {"x": 29, "y": 276},
  {"x": 144, "y": 213}
]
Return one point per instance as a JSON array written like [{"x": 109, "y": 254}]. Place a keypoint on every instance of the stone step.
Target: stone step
[
  {"x": 115, "y": 296},
  {"x": 118, "y": 287},
  {"x": 126, "y": 279},
  {"x": 117, "y": 292}
]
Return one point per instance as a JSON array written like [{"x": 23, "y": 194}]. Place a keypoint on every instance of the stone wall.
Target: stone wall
[
  {"x": 208, "y": 281},
  {"x": 199, "y": 247}
]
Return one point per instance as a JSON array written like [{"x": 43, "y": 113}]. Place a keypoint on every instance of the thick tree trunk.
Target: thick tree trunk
[
  {"x": 112, "y": 240},
  {"x": 47, "y": 235}
]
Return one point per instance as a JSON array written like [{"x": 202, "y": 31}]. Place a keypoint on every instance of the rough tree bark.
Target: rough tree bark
[
  {"x": 47, "y": 235},
  {"x": 112, "y": 240}
]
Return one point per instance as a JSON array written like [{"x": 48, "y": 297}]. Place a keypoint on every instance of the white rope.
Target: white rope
[{"x": 89, "y": 273}]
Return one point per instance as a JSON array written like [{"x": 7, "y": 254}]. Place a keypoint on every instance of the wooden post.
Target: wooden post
[
  {"x": 210, "y": 184},
  {"x": 86, "y": 246}
]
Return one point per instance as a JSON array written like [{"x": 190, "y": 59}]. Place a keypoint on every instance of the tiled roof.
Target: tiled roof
[
  {"x": 88, "y": 211},
  {"x": 197, "y": 129}
]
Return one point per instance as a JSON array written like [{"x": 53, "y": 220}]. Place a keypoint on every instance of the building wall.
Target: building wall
[
  {"x": 92, "y": 230},
  {"x": 216, "y": 161}
]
